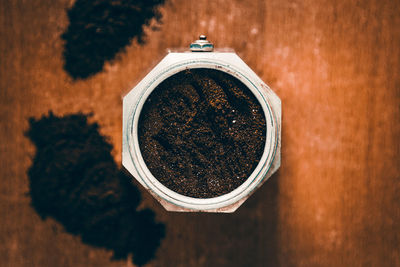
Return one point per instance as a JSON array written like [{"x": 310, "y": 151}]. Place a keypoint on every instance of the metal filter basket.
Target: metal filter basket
[{"x": 201, "y": 56}]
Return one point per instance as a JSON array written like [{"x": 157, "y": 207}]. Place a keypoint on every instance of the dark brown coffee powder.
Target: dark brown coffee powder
[
  {"x": 75, "y": 180},
  {"x": 202, "y": 133}
]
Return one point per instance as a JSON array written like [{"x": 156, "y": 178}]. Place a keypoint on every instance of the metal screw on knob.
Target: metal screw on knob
[{"x": 201, "y": 45}]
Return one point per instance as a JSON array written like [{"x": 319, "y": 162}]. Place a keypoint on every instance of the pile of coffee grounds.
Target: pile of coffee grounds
[
  {"x": 202, "y": 133},
  {"x": 75, "y": 180},
  {"x": 99, "y": 29}
]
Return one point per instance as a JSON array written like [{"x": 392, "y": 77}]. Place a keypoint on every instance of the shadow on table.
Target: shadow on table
[{"x": 247, "y": 237}]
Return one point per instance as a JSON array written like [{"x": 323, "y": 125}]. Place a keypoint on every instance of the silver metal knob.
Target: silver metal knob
[{"x": 201, "y": 45}]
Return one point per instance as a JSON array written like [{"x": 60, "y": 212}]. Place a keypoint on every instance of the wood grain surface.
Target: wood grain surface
[{"x": 335, "y": 65}]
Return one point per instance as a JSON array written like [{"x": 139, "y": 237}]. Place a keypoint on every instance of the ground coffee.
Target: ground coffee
[
  {"x": 202, "y": 133},
  {"x": 99, "y": 29},
  {"x": 75, "y": 180}
]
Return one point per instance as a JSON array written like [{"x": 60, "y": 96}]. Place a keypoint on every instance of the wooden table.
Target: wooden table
[{"x": 335, "y": 65}]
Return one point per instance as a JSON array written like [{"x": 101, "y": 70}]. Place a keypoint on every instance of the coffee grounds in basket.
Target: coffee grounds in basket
[{"x": 202, "y": 133}]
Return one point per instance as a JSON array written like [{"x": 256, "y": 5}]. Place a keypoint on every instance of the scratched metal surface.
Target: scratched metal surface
[{"x": 335, "y": 66}]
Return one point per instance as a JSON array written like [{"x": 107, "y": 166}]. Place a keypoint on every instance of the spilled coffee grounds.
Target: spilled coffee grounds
[
  {"x": 202, "y": 133},
  {"x": 99, "y": 29},
  {"x": 75, "y": 180}
]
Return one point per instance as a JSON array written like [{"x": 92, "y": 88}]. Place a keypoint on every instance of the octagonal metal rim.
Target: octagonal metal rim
[{"x": 217, "y": 61}]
